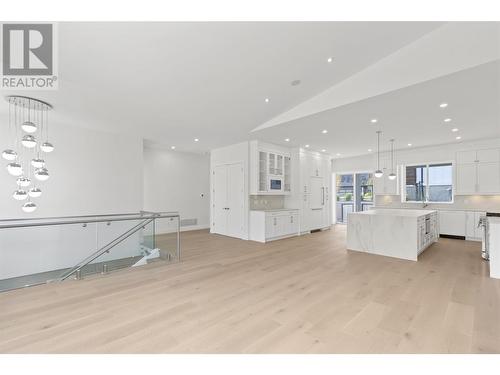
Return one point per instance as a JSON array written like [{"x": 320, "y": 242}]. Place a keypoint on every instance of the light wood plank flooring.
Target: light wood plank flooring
[{"x": 301, "y": 295}]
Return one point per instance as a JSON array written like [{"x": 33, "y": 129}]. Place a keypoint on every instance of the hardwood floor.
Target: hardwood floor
[{"x": 300, "y": 295}]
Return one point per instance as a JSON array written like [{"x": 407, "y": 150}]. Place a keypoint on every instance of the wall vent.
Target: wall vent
[{"x": 188, "y": 222}]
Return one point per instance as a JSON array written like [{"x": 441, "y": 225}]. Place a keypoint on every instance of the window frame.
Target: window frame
[{"x": 427, "y": 165}]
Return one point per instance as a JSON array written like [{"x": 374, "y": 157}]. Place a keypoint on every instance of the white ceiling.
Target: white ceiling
[
  {"x": 409, "y": 115},
  {"x": 173, "y": 82}
]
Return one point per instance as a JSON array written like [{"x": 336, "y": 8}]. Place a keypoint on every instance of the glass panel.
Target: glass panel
[
  {"x": 287, "y": 174},
  {"x": 262, "y": 171},
  {"x": 440, "y": 182},
  {"x": 38, "y": 254},
  {"x": 345, "y": 196},
  {"x": 416, "y": 180},
  {"x": 167, "y": 238},
  {"x": 364, "y": 191}
]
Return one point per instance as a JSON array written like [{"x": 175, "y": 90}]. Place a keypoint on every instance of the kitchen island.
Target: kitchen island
[{"x": 398, "y": 233}]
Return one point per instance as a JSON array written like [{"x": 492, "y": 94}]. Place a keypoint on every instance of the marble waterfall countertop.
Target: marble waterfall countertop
[
  {"x": 494, "y": 245},
  {"x": 407, "y": 212},
  {"x": 398, "y": 233}
]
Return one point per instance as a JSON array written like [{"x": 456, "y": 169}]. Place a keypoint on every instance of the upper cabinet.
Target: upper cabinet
[
  {"x": 270, "y": 169},
  {"x": 478, "y": 172}
]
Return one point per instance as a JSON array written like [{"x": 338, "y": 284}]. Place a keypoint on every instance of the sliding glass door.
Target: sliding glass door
[{"x": 354, "y": 193}]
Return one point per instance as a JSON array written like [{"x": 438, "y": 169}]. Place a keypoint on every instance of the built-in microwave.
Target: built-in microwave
[{"x": 275, "y": 184}]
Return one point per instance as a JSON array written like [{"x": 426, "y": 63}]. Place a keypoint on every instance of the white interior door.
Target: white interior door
[
  {"x": 220, "y": 199},
  {"x": 235, "y": 200}
]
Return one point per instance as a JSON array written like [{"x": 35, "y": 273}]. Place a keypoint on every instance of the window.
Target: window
[{"x": 429, "y": 183}]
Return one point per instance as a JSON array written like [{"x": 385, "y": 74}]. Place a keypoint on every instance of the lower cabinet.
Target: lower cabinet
[
  {"x": 473, "y": 231},
  {"x": 272, "y": 225},
  {"x": 452, "y": 223}
]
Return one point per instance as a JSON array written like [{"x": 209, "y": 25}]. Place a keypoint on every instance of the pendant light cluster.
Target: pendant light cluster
[
  {"x": 378, "y": 173},
  {"x": 28, "y": 126}
]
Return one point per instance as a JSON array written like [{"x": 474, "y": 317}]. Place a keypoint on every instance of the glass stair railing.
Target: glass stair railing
[{"x": 37, "y": 251}]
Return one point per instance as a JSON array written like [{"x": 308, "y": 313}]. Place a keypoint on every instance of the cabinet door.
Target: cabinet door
[
  {"x": 294, "y": 224},
  {"x": 470, "y": 224},
  {"x": 270, "y": 226},
  {"x": 464, "y": 157},
  {"x": 488, "y": 178},
  {"x": 488, "y": 156},
  {"x": 262, "y": 171},
  {"x": 466, "y": 178},
  {"x": 452, "y": 223},
  {"x": 279, "y": 165},
  {"x": 272, "y": 163}
]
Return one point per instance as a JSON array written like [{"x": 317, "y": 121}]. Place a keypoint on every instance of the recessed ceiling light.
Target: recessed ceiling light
[
  {"x": 266, "y": 100},
  {"x": 196, "y": 139},
  {"x": 287, "y": 139},
  {"x": 324, "y": 131},
  {"x": 447, "y": 119},
  {"x": 306, "y": 146},
  {"x": 337, "y": 154},
  {"x": 443, "y": 105},
  {"x": 454, "y": 129},
  {"x": 295, "y": 82},
  {"x": 172, "y": 147},
  {"x": 330, "y": 59},
  {"x": 323, "y": 150},
  {"x": 373, "y": 120},
  {"x": 370, "y": 150},
  {"x": 458, "y": 137},
  {"x": 409, "y": 144}
]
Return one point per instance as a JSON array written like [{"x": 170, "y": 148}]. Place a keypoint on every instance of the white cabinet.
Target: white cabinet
[
  {"x": 269, "y": 162},
  {"x": 472, "y": 230},
  {"x": 478, "y": 172},
  {"x": 452, "y": 223},
  {"x": 228, "y": 200},
  {"x": 272, "y": 225},
  {"x": 383, "y": 185}
]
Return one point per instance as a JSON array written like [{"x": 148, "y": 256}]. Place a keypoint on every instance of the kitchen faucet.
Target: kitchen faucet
[{"x": 425, "y": 204}]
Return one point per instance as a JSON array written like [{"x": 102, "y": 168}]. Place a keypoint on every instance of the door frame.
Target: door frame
[
  {"x": 334, "y": 188},
  {"x": 243, "y": 163}
]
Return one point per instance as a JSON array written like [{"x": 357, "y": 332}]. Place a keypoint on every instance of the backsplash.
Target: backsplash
[
  {"x": 462, "y": 202},
  {"x": 266, "y": 202}
]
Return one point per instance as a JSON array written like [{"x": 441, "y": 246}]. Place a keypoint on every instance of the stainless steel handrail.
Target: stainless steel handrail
[
  {"x": 65, "y": 220},
  {"x": 106, "y": 248}
]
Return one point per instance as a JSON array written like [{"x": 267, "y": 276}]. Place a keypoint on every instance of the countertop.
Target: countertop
[
  {"x": 432, "y": 209},
  {"x": 277, "y": 210},
  {"x": 395, "y": 212}
]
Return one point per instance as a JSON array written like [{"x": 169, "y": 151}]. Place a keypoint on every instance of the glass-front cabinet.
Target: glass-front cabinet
[{"x": 270, "y": 170}]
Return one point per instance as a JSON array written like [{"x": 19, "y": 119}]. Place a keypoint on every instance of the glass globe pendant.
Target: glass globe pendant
[
  {"x": 23, "y": 181},
  {"x": 29, "y": 127},
  {"x": 9, "y": 155},
  {"x": 15, "y": 169},
  {"x": 29, "y": 207},
  {"x": 20, "y": 195},
  {"x": 28, "y": 141},
  {"x": 378, "y": 173},
  {"x": 38, "y": 163},
  {"x": 42, "y": 174},
  {"x": 47, "y": 147},
  {"x": 392, "y": 176},
  {"x": 34, "y": 192}
]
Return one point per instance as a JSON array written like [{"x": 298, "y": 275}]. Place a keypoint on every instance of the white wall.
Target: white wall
[
  {"x": 91, "y": 172},
  {"x": 439, "y": 153},
  {"x": 177, "y": 181}
]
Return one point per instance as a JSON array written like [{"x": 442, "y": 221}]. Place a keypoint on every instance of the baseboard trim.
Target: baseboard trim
[{"x": 452, "y": 236}]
